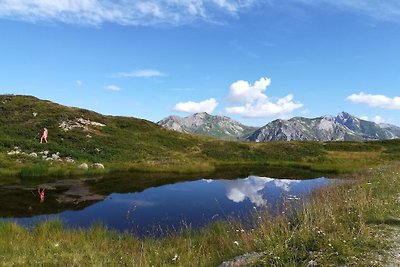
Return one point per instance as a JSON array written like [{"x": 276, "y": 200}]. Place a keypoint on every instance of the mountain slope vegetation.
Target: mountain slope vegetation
[{"x": 78, "y": 136}]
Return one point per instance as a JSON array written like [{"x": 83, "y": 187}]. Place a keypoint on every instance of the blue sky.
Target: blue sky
[{"x": 252, "y": 60}]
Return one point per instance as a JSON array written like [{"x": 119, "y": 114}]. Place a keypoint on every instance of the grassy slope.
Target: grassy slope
[{"x": 132, "y": 144}]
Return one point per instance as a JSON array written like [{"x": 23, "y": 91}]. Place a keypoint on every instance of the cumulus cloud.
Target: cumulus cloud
[
  {"x": 243, "y": 92},
  {"x": 255, "y": 103},
  {"x": 192, "y": 107},
  {"x": 144, "y": 73},
  {"x": 123, "y": 12},
  {"x": 113, "y": 87},
  {"x": 79, "y": 82},
  {"x": 379, "y": 101}
]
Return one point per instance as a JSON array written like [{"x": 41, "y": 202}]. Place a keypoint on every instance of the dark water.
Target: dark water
[{"x": 155, "y": 210}]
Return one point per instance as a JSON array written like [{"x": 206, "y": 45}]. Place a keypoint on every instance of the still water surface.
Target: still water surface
[{"x": 161, "y": 209}]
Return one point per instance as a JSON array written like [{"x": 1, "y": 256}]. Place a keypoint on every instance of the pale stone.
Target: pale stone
[
  {"x": 98, "y": 166},
  {"x": 83, "y": 166}
]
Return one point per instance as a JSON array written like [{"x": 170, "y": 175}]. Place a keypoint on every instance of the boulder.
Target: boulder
[
  {"x": 98, "y": 166},
  {"x": 83, "y": 166},
  {"x": 69, "y": 160}
]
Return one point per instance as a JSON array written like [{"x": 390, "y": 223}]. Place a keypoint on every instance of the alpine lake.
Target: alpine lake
[{"x": 155, "y": 204}]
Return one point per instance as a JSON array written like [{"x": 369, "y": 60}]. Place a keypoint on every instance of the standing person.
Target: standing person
[
  {"x": 44, "y": 135},
  {"x": 41, "y": 194}
]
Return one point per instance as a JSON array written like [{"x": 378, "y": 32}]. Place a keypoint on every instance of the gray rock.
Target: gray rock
[
  {"x": 55, "y": 156},
  {"x": 243, "y": 260},
  {"x": 83, "y": 166},
  {"x": 33, "y": 155},
  {"x": 69, "y": 160},
  {"x": 78, "y": 123},
  {"x": 98, "y": 166}
]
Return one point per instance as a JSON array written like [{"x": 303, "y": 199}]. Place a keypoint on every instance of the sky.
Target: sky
[{"x": 251, "y": 60}]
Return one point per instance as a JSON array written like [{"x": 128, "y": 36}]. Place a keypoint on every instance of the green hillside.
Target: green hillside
[{"x": 126, "y": 144}]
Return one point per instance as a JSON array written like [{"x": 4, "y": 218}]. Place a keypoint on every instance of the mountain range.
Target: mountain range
[
  {"x": 343, "y": 127},
  {"x": 205, "y": 124}
]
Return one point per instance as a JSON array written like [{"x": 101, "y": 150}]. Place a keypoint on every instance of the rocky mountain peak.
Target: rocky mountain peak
[
  {"x": 205, "y": 124},
  {"x": 344, "y": 126}
]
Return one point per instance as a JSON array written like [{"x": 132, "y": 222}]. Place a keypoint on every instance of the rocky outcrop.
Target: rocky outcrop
[{"x": 79, "y": 123}]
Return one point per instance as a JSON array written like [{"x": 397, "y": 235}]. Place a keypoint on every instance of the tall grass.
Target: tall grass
[{"x": 339, "y": 226}]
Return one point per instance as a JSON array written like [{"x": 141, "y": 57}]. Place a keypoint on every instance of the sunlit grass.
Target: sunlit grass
[{"x": 338, "y": 227}]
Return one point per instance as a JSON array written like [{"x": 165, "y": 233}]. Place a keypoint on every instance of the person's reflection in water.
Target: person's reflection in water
[{"x": 41, "y": 194}]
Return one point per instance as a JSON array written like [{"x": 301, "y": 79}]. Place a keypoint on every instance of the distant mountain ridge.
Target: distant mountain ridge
[
  {"x": 208, "y": 125},
  {"x": 343, "y": 127}
]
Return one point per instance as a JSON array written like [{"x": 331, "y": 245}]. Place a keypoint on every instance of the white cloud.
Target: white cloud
[
  {"x": 243, "y": 92},
  {"x": 113, "y": 87},
  {"x": 145, "y": 73},
  {"x": 377, "y": 119},
  {"x": 124, "y": 12},
  {"x": 192, "y": 107},
  {"x": 79, "y": 82},
  {"x": 380, "y": 101},
  {"x": 255, "y": 103}
]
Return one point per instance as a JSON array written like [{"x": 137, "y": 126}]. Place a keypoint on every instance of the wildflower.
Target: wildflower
[
  {"x": 175, "y": 257},
  {"x": 56, "y": 244},
  {"x": 236, "y": 243}
]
